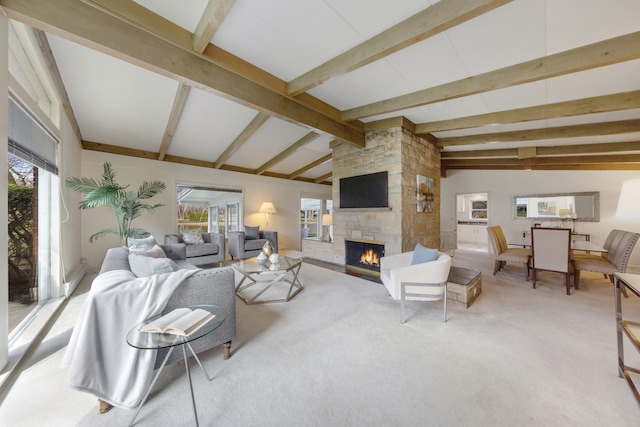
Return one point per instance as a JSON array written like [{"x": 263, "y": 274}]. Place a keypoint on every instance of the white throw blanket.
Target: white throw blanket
[{"x": 99, "y": 359}]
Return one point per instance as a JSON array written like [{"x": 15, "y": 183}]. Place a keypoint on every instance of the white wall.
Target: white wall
[
  {"x": 70, "y": 249},
  {"x": 285, "y": 195},
  {"x": 4, "y": 183},
  {"x": 503, "y": 185}
]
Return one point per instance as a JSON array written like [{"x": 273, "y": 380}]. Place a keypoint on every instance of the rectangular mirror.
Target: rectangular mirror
[{"x": 583, "y": 206}]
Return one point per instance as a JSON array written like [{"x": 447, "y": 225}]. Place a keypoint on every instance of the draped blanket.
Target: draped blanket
[{"x": 99, "y": 359}]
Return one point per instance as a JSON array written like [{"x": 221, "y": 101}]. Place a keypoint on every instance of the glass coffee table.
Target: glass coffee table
[
  {"x": 157, "y": 341},
  {"x": 280, "y": 279}
]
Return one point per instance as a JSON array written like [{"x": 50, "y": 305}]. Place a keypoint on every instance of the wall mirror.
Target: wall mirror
[{"x": 583, "y": 206}]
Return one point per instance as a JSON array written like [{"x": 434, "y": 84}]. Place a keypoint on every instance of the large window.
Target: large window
[
  {"x": 32, "y": 215},
  {"x": 211, "y": 209}
]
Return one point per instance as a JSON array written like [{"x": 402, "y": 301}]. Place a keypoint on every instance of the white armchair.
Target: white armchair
[{"x": 423, "y": 282}]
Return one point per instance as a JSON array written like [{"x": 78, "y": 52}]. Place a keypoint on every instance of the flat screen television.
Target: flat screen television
[{"x": 365, "y": 191}]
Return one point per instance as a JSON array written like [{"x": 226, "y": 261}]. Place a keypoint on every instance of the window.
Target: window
[
  {"x": 211, "y": 209},
  {"x": 32, "y": 215}
]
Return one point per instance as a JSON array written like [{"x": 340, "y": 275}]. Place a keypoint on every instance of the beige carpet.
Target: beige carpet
[{"x": 337, "y": 355}]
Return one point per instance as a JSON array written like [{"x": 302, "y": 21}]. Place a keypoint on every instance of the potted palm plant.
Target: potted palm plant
[{"x": 125, "y": 204}]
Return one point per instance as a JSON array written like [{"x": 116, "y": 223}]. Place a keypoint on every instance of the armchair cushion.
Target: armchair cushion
[
  {"x": 251, "y": 233},
  {"x": 422, "y": 254},
  {"x": 192, "y": 237}
]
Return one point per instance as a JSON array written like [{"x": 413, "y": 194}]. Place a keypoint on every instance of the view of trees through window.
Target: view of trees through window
[{"x": 22, "y": 229}]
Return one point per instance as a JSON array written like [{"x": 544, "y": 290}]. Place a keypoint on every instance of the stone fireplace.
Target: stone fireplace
[
  {"x": 363, "y": 255},
  {"x": 399, "y": 226}
]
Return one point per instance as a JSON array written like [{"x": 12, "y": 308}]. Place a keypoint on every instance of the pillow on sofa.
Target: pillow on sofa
[
  {"x": 251, "y": 233},
  {"x": 155, "y": 252},
  {"x": 143, "y": 244},
  {"x": 192, "y": 237},
  {"x": 422, "y": 254},
  {"x": 143, "y": 266}
]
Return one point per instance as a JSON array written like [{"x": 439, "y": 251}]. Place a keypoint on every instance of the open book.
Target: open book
[{"x": 181, "y": 321}]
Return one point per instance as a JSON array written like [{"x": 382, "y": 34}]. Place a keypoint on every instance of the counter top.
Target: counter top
[{"x": 472, "y": 222}]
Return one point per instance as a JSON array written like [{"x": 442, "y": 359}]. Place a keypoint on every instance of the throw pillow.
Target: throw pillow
[
  {"x": 422, "y": 254},
  {"x": 155, "y": 252},
  {"x": 143, "y": 244},
  {"x": 192, "y": 237},
  {"x": 251, "y": 233},
  {"x": 143, "y": 266}
]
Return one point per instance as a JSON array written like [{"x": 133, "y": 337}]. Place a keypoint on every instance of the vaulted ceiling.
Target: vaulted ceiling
[{"x": 268, "y": 86}]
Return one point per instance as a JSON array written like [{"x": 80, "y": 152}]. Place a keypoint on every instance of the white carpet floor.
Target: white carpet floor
[{"x": 337, "y": 355}]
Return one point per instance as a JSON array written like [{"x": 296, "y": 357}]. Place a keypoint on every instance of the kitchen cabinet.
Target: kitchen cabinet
[{"x": 472, "y": 233}]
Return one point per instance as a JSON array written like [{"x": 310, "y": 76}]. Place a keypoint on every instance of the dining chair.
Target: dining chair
[
  {"x": 551, "y": 251},
  {"x": 503, "y": 253},
  {"x": 621, "y": 244}
]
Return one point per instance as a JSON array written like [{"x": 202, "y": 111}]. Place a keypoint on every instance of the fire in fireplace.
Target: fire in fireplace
[{"x": 363, "y": 254}]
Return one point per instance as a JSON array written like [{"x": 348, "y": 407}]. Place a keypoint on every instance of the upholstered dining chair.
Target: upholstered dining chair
[
  {"x": 424, "y": 281},
  {"x": 503, "y": 253},
  {"x": 620, "y": 245},
  {"x": 551, "y": 251}
]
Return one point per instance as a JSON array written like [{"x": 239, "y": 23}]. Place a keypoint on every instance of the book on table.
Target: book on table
[{"x": 181, "y": 321}]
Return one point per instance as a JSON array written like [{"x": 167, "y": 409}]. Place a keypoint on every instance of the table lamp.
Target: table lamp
[
  {"x": 267, "y": 208},
  {"x": 327, "y": 220}
]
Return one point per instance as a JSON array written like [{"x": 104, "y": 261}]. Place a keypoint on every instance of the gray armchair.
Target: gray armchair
[
  {"x": 241, "y": 247},
  {"x": 212, "y": 250}
]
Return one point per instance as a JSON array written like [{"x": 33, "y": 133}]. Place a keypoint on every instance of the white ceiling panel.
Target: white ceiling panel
[
  {"x": 319, "y": 170},
  {"x": 175, "y": 11},
  {"x": 253, "y": 28},
  {"x": 574, "y": 23},
  {"x": 508, "y": 35},
  {"x": 309, "y": 153},
  {"x": 270, "y": 140},
  {"x": 115, "y": 102},
  {"x": 380, "y": 14},
  {"x": 365, "y": 85},
  {"x": 208, "y": 125},
  {"x": 623, "y": 77},
  {"x": 429, "y": 63}
]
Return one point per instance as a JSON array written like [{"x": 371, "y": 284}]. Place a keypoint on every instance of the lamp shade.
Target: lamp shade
[
  {"x": 629, "y": 201},
  {"x": 327, "y": 219},
  {"x": 267, "y": 207}
]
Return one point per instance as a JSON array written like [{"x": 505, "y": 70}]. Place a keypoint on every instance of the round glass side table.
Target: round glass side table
[{"x": 157, "y": 341}]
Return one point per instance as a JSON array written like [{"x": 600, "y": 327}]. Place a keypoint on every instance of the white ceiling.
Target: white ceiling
[{"x": 125, "y": 105}]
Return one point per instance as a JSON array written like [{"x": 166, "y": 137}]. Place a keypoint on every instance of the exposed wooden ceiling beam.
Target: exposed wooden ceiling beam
[
  {"x": 431, "y": 21},
  {"x": 598, "y": 104},
  {"x": 607, "y": 52},
  {"x": 322, "y": 178},
  {"x": 590, "y": 167},
  {"x": 606, "y": 128},
  {"x": 213, "y": 15},
  {"x": 311, "y": 165},
  {"x": 92, "y": 27},
  {"x": 52, "y": 65},
  {"x": 609, "y": 147},
  {"x": 287, "y": 152},
  {"x": 246, "y": 133},
  {"x": 567, "y": 160},
  {"x": 174, "y": 117}
]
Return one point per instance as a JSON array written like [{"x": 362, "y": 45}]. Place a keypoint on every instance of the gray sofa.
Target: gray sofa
[
  {"x": 242, "y": 248},
  {"x": 212, "y": 250},
  {"x": 215, "y": 286}
]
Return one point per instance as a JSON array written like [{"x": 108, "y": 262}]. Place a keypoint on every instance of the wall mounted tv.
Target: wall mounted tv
[{"x": 365, "y": 191}]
